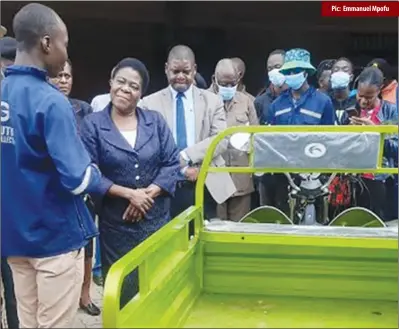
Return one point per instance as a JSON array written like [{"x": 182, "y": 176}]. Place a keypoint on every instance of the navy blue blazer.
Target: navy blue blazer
[{"x": 153, "y": 160}]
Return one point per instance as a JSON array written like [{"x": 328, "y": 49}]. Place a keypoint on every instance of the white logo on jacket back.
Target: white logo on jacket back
[{"x": 7, "y": 132}]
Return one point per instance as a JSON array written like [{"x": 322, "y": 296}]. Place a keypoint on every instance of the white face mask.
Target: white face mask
[
  {"x": 276, "y": 78},
  {"x": 340, "y": 80}
]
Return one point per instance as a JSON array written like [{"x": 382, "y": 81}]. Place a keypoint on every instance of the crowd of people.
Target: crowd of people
[{"x": 132, "y": 160}]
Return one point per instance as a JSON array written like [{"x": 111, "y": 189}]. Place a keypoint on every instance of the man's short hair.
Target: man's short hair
[
  {"x": 325, "y": 65},
  {"x": 181, "y": 52},
  {"x": 277, "y": 52},
  {"x": 31, "y": 23}
]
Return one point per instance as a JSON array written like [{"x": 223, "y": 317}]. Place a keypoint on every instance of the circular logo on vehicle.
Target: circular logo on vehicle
[{"x": 315, "y": 150}]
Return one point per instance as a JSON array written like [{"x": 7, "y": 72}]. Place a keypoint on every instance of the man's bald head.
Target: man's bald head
[
  {"x": 225, "y": 67},
  {"x": 181, "y": 52},
  {"x": 225, "y": 79},
  {"x": 240, "y": 65}
]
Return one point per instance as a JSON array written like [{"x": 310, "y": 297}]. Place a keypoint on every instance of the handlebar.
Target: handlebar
[
  {"x": 291, "y": 182},
  {"x": 297, "y": 188}
]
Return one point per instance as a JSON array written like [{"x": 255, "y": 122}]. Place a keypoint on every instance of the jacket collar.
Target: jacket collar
[
  {"x": 26, "y": 70},
  {"x": 113, "y": 136}
]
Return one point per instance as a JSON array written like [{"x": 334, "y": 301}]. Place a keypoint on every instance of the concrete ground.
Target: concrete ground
[{"x": 86, "y": 321}]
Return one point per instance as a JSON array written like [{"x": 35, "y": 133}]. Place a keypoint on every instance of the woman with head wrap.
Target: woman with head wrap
[{"x": 137, "y": 155}]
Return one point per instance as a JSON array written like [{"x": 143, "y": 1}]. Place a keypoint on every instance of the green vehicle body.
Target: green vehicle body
[{"x": 265, "y": 279}]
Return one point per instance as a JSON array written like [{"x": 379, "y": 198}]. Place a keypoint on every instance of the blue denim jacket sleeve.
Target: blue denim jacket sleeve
[
  {"x": 390, "y": 114},
  {"x": 66, "y": 149},
  {"x": 89, "y": 138},
  {"x": 391, "y": 150},
  {"x": 170, "y": 165}
]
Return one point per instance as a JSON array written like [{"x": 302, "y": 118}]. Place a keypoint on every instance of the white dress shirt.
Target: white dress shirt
[{"x": 100, "y": 102}]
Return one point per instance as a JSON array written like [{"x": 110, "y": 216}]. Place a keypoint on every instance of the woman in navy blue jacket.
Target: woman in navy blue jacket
[
  {"x": 374, "y": 111},
  {"x": 137, "y": 155}
]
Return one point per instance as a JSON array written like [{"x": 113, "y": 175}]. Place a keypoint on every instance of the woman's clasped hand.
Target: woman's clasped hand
[{"x": 140, "y": 202}]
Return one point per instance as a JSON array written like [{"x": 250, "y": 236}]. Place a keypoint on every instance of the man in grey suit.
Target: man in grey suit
[{"x": 195, "y": 116}]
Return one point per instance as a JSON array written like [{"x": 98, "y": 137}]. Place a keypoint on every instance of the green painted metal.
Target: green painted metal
[
  {"x": 188, "y": 282},
  {"x": 384, "y": 130},
  {"x": 170, "y": 277},
  {"x": 180, "y": 273},
  {"x": 299, "y": 266}
]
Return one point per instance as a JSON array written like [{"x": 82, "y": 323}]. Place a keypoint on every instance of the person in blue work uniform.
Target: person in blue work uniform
[
  {"x": 8, "y": 49},
  {"x": 45, "y": 171},
  {"x": 342, "y": 96},
  {"x": 372, "y": 110},
  {"x": 301, "y": 104},
  {"x": 64, "y": 82},
  {"x": 136, "y": 152}
]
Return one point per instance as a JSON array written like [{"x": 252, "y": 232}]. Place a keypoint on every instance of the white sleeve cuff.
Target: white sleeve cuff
[
  {"x": 183, "y": 170},
  {"x": 184, "y": 156},
  {"x": 84, "y": 184}
]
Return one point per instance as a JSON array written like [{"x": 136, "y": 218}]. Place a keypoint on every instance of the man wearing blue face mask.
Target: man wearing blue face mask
[
  {"x": 341, "y": 94},
  {"x": 267, "y": 185},
  {"x": 240, "y": 111},
  {"x": 275, "y": 84},
  {"x": 301, "y": 104}
]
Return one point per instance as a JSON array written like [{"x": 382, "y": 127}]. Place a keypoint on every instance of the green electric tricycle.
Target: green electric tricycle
[{"x": 268, "y": 273}]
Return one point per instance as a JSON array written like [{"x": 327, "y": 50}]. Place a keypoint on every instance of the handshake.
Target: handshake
[{"x": 140, "y": 202}]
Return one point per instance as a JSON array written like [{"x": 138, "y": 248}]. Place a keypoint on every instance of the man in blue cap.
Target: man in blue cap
[{"x": 301, "y": 104}]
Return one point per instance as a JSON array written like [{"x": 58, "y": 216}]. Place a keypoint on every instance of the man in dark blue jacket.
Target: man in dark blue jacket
[
  {"x": 266, "y": 184},
  {"x": 301, "y": 104},
  {"x": 275, "y": 84},
  {"x": 45, "y": 169},
  {"x": 8, "y": 49}
]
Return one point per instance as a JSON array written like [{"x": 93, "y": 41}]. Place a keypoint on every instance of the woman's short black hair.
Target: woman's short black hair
[
  {"x": 68, "y": 61},
  {"x": 137, "y": 66},
  {"x": 371, "y": 76}
]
